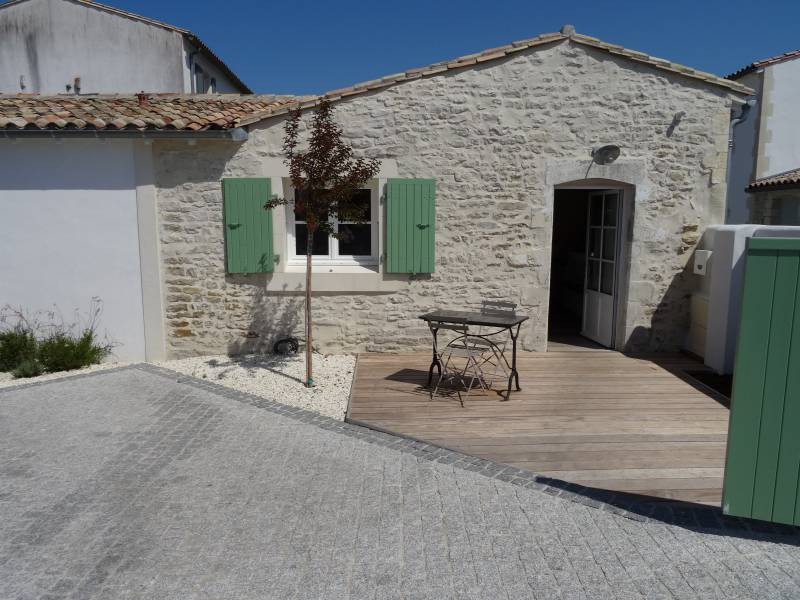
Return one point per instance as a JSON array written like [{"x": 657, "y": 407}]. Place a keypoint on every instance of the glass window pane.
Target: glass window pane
[
  {"x": 607, "y": 280},
  {"x": 594, "y": 242},
  {"x": 358, "y": 208},
  {"x": 355, "y": 240},
  {"x": 301, "y": 241},
  {"x": 609, "y": 242},
  {"x": 592, "y": 274},
  {"x": 596, "y": 211},
  {"x": 610, "y": 213},
  {"x": 299, "y": 204}
]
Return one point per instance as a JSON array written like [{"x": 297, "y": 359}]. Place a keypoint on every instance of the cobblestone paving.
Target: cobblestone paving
[{"x": 136, "y": 483}]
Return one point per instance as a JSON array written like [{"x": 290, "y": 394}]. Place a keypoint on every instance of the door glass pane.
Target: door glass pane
[
  {"x": 594, "y": 242},
  {"x": 592, "y": 274},
  {"x": 610, "y": 212},
  {"x": 607, "y": 280},
  {"x": 301, "y": 241},
  {"x": 609, "y": 242},
  {"x": 355, "y": 240},
  {"x": 596, "y": 210}
]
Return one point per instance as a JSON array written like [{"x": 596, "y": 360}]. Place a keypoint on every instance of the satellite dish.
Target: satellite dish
[{"x": 605, "y": 155}]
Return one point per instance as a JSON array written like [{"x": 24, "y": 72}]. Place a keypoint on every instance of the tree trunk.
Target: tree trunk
[{"x": 309, "y": 253}]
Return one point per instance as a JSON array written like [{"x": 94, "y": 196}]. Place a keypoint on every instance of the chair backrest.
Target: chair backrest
[
  {"x": 460, "y": 329},
  {"x": 498, "y": 307},
  {"x": 457, "y": 327}
]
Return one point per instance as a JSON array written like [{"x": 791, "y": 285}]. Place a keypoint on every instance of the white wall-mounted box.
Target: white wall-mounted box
[{"x": 701, "y": 259}]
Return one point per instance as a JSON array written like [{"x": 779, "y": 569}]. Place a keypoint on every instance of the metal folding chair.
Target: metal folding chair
[
  {"x": 493, "y": 365},
  {"x": 460, "y": 361}
]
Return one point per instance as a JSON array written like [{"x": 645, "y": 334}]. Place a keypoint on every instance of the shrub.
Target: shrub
[
  {"x": 30, "y": 367},
  {"x": 63, "y": 351},
  {"x": 16, "y": 346},
  {"x": 43, "y": 342}
]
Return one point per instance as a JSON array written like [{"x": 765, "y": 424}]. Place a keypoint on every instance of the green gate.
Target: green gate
[{"x": 763, "y": 463}]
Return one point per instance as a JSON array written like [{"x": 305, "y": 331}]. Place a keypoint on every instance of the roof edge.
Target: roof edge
[
  {"x": 779, "y": 181},
  {"x": 500, "y": 52},
  {"x": 764, "y": 62}
]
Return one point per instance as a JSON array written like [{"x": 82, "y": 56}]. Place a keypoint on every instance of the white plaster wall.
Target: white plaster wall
[
  {"x": 68, "y": 232},
  {"x": 779, "y": 137},
  {"x": 743, "y": 157},
  {"x": 722, "y": 288},
  {"x": 50, "y": 42}
]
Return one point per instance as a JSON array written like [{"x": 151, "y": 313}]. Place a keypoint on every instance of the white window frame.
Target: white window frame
[{"x": 334, "y": 258}]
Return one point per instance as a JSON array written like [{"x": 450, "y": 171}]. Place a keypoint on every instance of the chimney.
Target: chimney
[{"x": 142, "y": 98}]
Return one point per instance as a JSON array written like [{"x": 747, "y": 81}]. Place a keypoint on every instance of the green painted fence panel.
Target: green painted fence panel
[
  {"x": 763, "y": 462},
  {"x": 248, "y": 225},
  {"x": 410, "y": 225}
]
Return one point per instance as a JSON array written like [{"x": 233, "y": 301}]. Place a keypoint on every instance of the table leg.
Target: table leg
[
  {"x": 513, "y": 376},
  {"x": 435, "y": 362}
]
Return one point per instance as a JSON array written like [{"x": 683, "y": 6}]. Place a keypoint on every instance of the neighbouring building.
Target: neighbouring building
[
  {"x": 83, "y": 47},
  {"x": 487, "y": 189},
  {"x": 764, "y": 184}
]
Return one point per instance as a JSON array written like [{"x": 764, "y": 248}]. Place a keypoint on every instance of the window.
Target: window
[{"x": 356, "y": 243}]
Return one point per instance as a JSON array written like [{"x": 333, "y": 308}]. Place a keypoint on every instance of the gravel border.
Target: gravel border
[
  {"x": 280, "y": 378},
  {"x": 8, "y": 381},
  {"x": 697, "y": 517}
]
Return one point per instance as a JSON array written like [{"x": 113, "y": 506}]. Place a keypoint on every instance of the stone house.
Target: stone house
[{"x": 493, "y": 151}]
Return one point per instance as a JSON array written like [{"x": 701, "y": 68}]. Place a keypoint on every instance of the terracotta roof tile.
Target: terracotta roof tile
[
  {"x": 754, "y": 66},
  {"x": 787, "y": 179},
  {"x": 508, "y": 49},
  {"x": 207, "y": 112},
  {"x": 126, "y": 112}
]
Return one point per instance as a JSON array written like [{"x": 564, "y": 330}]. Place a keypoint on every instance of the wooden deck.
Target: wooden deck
[{"x": 598, "y": 418}]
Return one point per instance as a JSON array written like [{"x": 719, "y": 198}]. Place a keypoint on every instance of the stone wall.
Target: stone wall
[{"x": 496, "y": 138}]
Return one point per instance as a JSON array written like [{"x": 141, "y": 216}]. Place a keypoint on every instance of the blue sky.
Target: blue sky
[{"x": 302, "y": 46}]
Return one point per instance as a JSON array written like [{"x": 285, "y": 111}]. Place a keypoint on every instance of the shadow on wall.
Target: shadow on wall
[
  {"x": 272, "y": 316},
  {"x": 669, "y": 318}
]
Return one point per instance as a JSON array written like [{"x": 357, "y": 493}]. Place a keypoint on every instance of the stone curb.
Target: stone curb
[
  {"x": 25, "y": 386},
  {"x": 685, "y": 514}
]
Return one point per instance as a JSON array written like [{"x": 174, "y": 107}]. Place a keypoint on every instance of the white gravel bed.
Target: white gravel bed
[
  {"x": 7, "y": 379},
  {"x": 278, "y": 378}
]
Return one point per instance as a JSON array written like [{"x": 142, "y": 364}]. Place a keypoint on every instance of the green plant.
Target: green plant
[
  {"x": 30, "y": 367},
  {"x": 16, "y": 346},
  {"x": 64, "y": 351},
  {"x": 42, "y": 341}
]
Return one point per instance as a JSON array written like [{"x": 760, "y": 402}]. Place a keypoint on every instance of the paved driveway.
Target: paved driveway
[{"x": 136, "y": 484}]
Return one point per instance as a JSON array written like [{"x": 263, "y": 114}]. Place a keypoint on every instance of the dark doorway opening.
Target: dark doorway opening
[{"x": 567, "y": 268}]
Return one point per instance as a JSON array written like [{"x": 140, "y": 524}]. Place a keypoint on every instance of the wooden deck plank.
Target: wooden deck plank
[{"x": 595, "y": 417}]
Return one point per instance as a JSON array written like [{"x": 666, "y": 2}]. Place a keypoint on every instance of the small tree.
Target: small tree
[{"x": 325, "y": 178}]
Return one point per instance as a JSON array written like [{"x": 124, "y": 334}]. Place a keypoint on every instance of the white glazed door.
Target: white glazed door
[{"x": 601, "y": 267}]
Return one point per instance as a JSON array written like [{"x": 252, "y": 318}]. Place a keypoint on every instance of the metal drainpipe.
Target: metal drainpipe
[{"x": 743, "y": 112}]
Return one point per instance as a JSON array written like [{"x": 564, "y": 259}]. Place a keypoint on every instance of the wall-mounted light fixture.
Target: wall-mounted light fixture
[{"x": 605, "y": 155}]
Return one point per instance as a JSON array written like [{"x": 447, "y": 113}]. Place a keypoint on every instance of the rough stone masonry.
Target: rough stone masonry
[{"x": 496, "y": 137}]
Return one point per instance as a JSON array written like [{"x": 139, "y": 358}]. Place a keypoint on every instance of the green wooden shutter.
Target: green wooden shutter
[
  {"x": 248, "y": 225},
  {"x": 763, "y": 462},
  {"x": 410, "y": 225}
]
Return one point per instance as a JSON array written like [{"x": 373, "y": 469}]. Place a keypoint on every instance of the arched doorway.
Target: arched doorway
[{"x": 590, "y": 257}]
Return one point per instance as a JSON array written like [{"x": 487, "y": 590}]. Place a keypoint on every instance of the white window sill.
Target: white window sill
[
  {"x": 367, "y": 269},
  {"x": 336, "y": 279}
]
